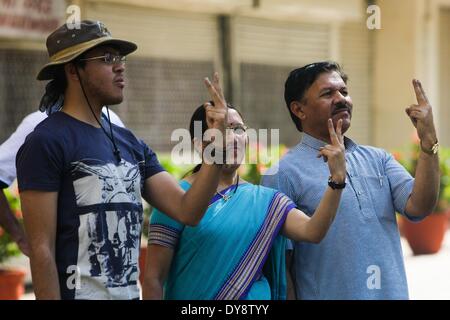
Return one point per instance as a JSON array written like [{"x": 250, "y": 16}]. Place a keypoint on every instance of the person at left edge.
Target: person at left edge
[{"x": 8, "y": 152}]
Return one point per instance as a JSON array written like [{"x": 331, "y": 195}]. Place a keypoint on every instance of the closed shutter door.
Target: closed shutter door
[
  {"x": 266, "y": 51},
  {"x": 20, "y": 92},
  {"x": 165, "y": 75}
]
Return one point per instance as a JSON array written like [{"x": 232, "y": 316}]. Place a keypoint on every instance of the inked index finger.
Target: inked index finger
[
  {"x": 420, "y": 93},
  {"x": 339, "y": 131}
]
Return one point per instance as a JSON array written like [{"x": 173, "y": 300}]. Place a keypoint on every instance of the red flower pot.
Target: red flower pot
[
  {"x": 11, "y": 284},
  {"x": 426, "y": 237}
]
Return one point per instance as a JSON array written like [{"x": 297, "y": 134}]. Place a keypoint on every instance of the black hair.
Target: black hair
[
  {"x": 79, "y": 63},
  {"x": 53, "y": 98},
  {"x": 200, "y": 115},
  {"x": 301, "y": 79}
]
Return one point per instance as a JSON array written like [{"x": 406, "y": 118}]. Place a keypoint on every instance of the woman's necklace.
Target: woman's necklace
[{"x": 228, "y": 196}]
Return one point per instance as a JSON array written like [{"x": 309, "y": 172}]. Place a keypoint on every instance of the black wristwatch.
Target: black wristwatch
[{"x": 334, "y": 185}]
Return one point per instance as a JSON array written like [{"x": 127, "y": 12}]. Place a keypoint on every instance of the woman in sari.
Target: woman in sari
[{"x": 237, "y": 251}]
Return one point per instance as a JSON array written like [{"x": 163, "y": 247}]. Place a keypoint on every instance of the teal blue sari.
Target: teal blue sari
[{"x": 235, "y": 252}]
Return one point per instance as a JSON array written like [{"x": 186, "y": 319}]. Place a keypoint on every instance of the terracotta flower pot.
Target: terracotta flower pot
[
  {"x": 426, "y": 237},
  {"x": 11, "y": 284}
]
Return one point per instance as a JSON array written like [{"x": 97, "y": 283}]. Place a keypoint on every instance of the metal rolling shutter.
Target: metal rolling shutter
[
  {"x": 266, "y": 51},
  {"x": 165, "y": 75}
]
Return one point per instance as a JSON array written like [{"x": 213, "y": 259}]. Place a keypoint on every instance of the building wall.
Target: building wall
[
  {"x": 413, "y": 43},
  {"x": 180, "y": 42},
  {"x": 264, "y": 54},
  {"x": 444, "y": 75},
  {"x": 355, "y": 42},
  {"x": 21, "y": 56},
  {"x": 20, "y": 93},
  {"x": 263, "y": 50},
  {"x": 395, "y": 66}
]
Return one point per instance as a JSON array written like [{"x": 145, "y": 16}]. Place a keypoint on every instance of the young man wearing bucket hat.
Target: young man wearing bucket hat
[
  {"x": 81, "y": 179},
  {"x": 51, "y": 101}
]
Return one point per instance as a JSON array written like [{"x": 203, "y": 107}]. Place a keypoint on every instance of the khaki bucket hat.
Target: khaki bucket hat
[{"x": 64, "y": 44}]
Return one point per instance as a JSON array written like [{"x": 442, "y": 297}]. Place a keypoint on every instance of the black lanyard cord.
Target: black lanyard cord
[{"x": 116, "y": 150}]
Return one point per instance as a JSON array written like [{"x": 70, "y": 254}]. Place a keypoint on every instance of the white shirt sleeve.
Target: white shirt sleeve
[
  {"x": 114, "y": 117},
  {"x": 9, "y": 148}
]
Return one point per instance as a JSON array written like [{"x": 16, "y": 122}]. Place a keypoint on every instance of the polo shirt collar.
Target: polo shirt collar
[{"x": 316, "y": 144}]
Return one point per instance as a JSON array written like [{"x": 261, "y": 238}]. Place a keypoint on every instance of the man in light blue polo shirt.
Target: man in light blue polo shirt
[{"x": 361, "y": 256}]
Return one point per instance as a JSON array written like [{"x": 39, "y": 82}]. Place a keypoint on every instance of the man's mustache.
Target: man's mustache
[{"x": 342, "y": 106}]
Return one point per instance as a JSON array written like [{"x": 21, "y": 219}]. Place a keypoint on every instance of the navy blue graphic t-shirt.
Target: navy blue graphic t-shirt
[{"x": 100, "y": 212}]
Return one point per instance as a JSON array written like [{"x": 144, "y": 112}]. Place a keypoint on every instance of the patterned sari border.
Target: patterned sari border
[{"x": 163, "y": 235}]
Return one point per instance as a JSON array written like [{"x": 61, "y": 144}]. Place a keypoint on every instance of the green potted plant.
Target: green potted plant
[
  {"x": 258, "y": 159},
  {"x": 11, "y": 279},
  {"x": 426, "y": 237}
]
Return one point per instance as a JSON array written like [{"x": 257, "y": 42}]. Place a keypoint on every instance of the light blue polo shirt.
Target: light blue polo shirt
[{"x": 361, "y": 256}]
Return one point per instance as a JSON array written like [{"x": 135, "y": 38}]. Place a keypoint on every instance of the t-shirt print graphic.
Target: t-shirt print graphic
[{"x": 109, "y": 202}]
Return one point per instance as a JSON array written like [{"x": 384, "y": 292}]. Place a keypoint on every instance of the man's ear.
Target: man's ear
[
  {"x": 297, "y": 109},
  {"x": 71, "y": 71}
]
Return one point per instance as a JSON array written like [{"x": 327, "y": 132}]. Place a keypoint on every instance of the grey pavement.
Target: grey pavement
[{"x": 428, "y": 275}]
